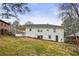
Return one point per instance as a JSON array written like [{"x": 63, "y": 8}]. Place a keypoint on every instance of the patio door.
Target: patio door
[{"x": 40, "y": 36}]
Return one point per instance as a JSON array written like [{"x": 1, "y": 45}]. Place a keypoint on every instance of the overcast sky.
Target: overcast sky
[{"x": 41, "y": 13}]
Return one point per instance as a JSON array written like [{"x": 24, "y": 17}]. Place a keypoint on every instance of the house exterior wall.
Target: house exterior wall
[
  {"x": 34, "y": 33},
  {"x": 19, "y": 33},
  {"x": 4, "y": 27}
]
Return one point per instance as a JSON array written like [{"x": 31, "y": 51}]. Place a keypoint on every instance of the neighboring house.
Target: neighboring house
[
  {"x": 4, "y": 27},
  {"x": 20, "y": 31},
  {"x": 71, "y": 38},
  {"x": 72, "y": 35},
  {"x": 43, "y": 31}
]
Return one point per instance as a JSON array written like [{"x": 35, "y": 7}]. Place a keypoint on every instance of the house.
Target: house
[
  {"x": 72, "y": 35},
  {"x": 19, "y": 30},
  {"x": 43, "y": 31},
  {"x": 72, "y": 38},
  {"x": 4, "y": 27}
]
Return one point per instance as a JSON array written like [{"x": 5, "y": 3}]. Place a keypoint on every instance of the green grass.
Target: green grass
[{"x": 31, "y": 47}]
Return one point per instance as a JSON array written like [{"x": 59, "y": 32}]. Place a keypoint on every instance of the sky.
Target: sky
[{"x": 41, "y": 13}]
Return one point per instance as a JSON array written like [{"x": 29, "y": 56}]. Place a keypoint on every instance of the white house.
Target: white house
[{"x": 44, "y": 31}]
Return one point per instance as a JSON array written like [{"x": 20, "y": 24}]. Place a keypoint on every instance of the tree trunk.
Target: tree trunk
[{"x": 76, "y": 38}]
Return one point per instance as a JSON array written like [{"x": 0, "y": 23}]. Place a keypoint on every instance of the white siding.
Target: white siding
[
  {"x": 18, "y": 35},
  {"x": 45, "y": 33}
]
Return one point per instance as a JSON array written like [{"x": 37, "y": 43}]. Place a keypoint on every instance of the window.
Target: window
[
  {"x": 1, "y": 24},
  {"x": 47, "y": 29},
  {"x": 54, "y": 30},
  {"x": 39, "y": 30},
  {"x": 30, "y": 29},
  {"x": 5, "y": 24},
  {"x": 49, "y": 36}
]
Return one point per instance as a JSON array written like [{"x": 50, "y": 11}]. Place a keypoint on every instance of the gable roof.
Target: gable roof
[
  {"x": 23, "y": 27},
  {"x": 4, "y": 22},
  {"x": 42, "y": 26}
]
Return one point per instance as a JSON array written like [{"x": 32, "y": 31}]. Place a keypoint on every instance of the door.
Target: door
[
  {"x": 38, "y": 37},
  {"x": 56, "y": 38},
  {"x": 41, "y": 37},
  {"x": 49, "y": 36}
]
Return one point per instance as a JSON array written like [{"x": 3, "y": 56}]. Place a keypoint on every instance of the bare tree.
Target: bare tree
[
  {"x": 70, "y": 15},
  {"x": 13, "y": 9},
  {"x": 28, "y": 22}
]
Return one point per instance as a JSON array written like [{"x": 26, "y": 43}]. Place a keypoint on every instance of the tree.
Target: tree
[
  {"x": 14, "y": 26},
  {"x": 15, "y": 23},
  {"x": 28, "y": 22},
  {"x": 70, "y": 16},
  {"x": 13, "y": 9}
]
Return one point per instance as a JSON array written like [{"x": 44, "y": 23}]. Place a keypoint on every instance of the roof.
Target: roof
[
  {"x": 23, "y": 27},
  {"x": 77, "y": 34},
  {"x": 4, "y": 22},
  {"x": 42, "y": 26}
]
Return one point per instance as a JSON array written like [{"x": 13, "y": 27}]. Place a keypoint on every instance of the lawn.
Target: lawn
[{"x": 15, "y": 46}]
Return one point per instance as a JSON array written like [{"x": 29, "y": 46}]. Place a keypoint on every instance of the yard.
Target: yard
[{"x": 23, "y": 46}]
